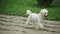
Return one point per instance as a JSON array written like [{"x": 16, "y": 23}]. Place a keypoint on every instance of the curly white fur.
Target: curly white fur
[{"x": 37, "y": 18}]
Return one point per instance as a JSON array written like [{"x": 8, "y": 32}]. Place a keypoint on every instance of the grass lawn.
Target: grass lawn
[{"x": 19, "y": 7}]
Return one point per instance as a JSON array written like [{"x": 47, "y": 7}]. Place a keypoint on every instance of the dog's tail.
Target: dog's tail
[{"x": 28, "y": 12}]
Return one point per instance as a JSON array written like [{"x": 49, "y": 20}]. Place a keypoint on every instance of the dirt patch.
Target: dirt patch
[{"x": 15, "y": 25}]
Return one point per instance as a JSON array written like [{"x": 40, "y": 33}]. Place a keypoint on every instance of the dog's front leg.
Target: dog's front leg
[
  {"x": 41, "y": 26},
  {"x": 37, "y": 25},
  {"x": 26, "y": 23}
]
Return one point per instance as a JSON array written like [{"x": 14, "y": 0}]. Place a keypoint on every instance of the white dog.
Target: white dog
[{"x": 37, "y": 18}]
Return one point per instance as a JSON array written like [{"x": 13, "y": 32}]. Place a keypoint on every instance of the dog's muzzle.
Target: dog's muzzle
[{"x": 46, "y": 15}]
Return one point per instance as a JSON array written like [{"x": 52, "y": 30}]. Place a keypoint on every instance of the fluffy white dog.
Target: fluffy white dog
[{"x": 37, "y": 18}]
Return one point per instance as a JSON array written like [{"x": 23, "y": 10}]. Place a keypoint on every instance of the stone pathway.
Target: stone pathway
[{"x": 15, "y": 25}]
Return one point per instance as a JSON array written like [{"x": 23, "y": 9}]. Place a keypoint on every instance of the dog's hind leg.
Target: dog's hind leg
[{"x": 26, "y": 23}]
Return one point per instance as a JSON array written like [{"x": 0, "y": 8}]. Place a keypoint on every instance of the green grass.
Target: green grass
[{"x": 19, "y": 7}]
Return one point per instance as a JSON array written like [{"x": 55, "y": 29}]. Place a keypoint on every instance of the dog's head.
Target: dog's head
[{"x": 44, "y": 12}]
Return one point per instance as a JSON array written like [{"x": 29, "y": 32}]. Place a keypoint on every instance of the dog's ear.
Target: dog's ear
[{"x": 42, "y": 13}]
